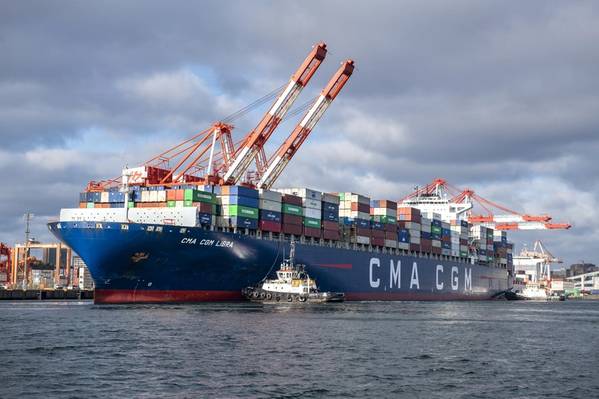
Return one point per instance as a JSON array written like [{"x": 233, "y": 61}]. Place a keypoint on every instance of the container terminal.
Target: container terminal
[{"x": 204, "y": 219}]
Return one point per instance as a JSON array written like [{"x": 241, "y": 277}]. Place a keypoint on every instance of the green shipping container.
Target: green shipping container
[
  {"x": 342, "y": 196},
  {"x": 293, "y": 209},
  {"x": 188, "y": 203},
  {"x": 90, "y": 204},
  {"x": 131, "y": 204},
  {"x": 202, "y": 196},
  {"x": 463, "y": 254},
  {"x": 384, "y": 219},
  {"x": 171, "y": 204},
  {"x": 436, "y": 230},
  {"x": 243, "y": 211},
  {"x": 310, "y": 222}
]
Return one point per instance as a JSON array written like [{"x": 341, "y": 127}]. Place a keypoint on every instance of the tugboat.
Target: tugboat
[{"x": 292, "y": 284}]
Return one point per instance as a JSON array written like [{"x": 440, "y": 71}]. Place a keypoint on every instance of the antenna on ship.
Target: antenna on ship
[{"x": 292, "y": 252}]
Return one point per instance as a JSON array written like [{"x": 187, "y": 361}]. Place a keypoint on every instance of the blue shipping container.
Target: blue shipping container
[
  {"x": 377, "y": 225},
  {"x": 446, "y": 232},
  {"x": 271, "y": 216},
  {"x": 425, "y": 235},
  {"x": 243, "y": 192},
  {"x": 330, "y": 216},
  {"x": 244, "y": 201},
  {"x": 436, "y": 222},
  {"x": 244, "y": 222},
  {"x": 375, "y": 203},
  {"x": 435, "y": 236},
  {"x": 446, "y": 245},
  {"x": 328, "y": 207},
  {"x": 364, "y": 224},
  {"x": 403, "y": 235},
  {"x": 205, "y": 218}
]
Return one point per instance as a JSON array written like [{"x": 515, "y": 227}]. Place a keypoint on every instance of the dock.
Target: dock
[{"x": 40, "y": 295}]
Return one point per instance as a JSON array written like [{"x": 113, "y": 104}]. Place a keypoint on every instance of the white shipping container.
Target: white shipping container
[
  {"x": 414, "y": 240},
  {"x": 145, "y": 196},
  {"x": 464, "y": 248},
  {"x": 330, "y": 198},
  {"x": 307, "y": 193},
  {"x": 93, "y": 215},
  {"x": 425, "y": 228},
  {"x": 414, "y": 233},
  {"x": 384, "y": 212},
  {"x": 186, "y": 216},
  {"x": 269, "y": 205},
  {"x": 104, "y": 196},
  {"x": 391, "y": 243},
  {"x": 312, "y": 213},
  {"x": 179, "y": 204},
  {"x": 311, "y": 203},
  {"x": 445, "y": 225},
  {"x": 161, "y": 196},
  {"x": 358, "y": 198},
  {"x": 403, "y": 245},
  {"x": 425, "y": 221},
  {"x": 412, "y": 226},
  {"x": 362, "y": 240},
  {"x": 436, "y": 243},
  {"x": 270, "y": 195},
  {"x": 153, "y": 196}
]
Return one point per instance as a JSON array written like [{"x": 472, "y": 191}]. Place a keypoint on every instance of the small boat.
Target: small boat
[{"x": 293, "y": 284}]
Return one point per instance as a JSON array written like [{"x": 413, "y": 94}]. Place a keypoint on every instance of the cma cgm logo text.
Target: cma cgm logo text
[{"x": 444, "y": 278}]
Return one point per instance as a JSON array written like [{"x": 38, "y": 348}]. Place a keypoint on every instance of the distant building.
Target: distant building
[
  {"x": 587, "y": 282},
  {"x": 85, "y": 278},
  {"x": 581, "y": 268}
]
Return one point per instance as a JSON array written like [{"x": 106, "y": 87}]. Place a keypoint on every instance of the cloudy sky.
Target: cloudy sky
[{"x": 501, "y": 97}]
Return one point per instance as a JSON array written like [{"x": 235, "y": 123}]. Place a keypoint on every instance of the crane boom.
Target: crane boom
[
  {"x": 288, "y": 149},
  {"x": 254, "y": 143}
]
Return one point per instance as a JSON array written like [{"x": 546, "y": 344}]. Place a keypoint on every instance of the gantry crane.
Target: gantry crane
[
  {"x": 461, "y": 202},
  {"x": 301, "y": 132},
  {"x": 197, "y": 160},
  {"x": 253, "y": 146}
]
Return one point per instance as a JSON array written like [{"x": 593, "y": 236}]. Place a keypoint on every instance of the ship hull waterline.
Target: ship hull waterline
[{"x": 141, "y": 263}]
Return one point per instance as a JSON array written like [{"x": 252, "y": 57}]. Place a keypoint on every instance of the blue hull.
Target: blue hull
[{"x": 148, "y": 263}]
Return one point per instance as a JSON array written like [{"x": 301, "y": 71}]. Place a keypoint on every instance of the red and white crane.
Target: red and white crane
[
  {"x": 303, "y": 129},
  {"x": 434, "y": 197},
  {"x": 253, "y": 146}
]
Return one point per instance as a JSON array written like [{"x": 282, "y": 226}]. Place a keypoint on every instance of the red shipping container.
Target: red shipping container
[
  {"x": 463, "y": 241},
  {"x": 391, "y": 235},
  {"x": 292, "y": 219},
  {"x": 292, "y": 229},
  {"x": 171, "y": 195},
  {"x": 326, "y": 225},
  {"x": 391, "y": 228},
  {"x": 292, "y": 199},
  {"x": 267, "y": 225},
  {"x": 409, "y": 211},
  {"x": 179, "y": 195},
  {"x": 356, "y": 206},
  {"x": 83, "y": 205},
  {"x": 388, "y": 204},
  {"x": 362, "y": 232},
  {"x": 377, "y": 241},
  {"x": 415, "y": 247},
  {"x": 203, "y": 207},
  {"x": 331, "y": 235},
  {"x": 312, "y": 232},
  {"x": 378, "y": 234}
]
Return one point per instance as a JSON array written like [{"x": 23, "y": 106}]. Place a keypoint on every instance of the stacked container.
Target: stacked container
[
  {"x": 330, "y": 217},
  {"x": 459, "y": 238},
  {"x": 354, "y": 214},
  {"x": 409, "y": 219},
  {"x": 270, "y": 211},
  {"x": 483, "y": 239},
  {"x": 291, "y": 214},
  {"x": 239, "y": 207},
  {"x": 383, "y": 214},
  {"x": 445, "y": 239}
]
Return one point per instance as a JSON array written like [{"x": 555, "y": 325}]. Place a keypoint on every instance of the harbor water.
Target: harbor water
[{"x": 363, "y": 349}]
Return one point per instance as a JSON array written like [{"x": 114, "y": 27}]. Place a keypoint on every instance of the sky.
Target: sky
[{"x": 501, "y": 97}]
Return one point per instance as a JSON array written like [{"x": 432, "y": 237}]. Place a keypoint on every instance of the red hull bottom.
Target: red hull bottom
[{"x": 103, "y": 296}]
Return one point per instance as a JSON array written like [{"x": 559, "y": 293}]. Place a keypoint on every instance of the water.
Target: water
[{"x": 403, "y": 349}]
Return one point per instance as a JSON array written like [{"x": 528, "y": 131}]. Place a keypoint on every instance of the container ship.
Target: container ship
[{"x": 205, "y": 228}]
